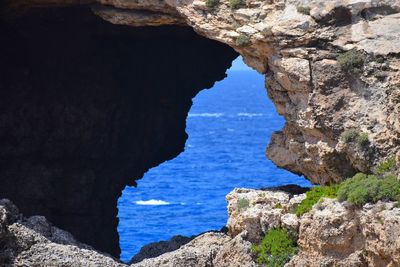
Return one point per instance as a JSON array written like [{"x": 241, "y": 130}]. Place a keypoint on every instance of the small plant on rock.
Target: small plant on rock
[
  {"x": 386, "y": 166},
  {"x": 243, "y": 203},
  {"x": 235, "y": 4},
  {"x": 212, "y": 3},
  {"x": 276, "y": 249},
  {"x": 242, "y": 40},
  {"x": 314, "y": 195},
  {"x": 351, "y": 60},
  {"x": 349, "y": 135},
  {"x": 304, "y": 10},
  {"x": 363, "y": 188},
  {"x": 362, "y": 140}
]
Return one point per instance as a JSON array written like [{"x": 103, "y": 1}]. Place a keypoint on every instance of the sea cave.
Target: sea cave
[{"x": 100, "y": 97}]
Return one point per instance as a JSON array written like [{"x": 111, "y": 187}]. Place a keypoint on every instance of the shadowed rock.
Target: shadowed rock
[{"x": 87, "y": 107}]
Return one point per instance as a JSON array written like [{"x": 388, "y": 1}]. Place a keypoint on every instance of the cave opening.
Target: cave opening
[
  {"x": 87, "y": 107},
  {"x": 229, "y": 127}
]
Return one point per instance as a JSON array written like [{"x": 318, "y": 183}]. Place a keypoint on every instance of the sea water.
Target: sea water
[{"x": 229, "y": 127}]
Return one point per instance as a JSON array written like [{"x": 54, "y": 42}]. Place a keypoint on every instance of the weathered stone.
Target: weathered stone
[
  {"x": 36, "y": 242},
  {"x": 337, "y": 234},
  {"x": 158, "y": 248}
]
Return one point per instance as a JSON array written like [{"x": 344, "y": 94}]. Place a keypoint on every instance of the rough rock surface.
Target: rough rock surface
[
  {"x": 256, "y": 211},
  {"x": 337, "y": 234},
  {"x": 35, "y": 242},
  {"x": 158, "y": 248},
  {"x": 297, "y": 51},
  {"x": 209, "y": 249}
]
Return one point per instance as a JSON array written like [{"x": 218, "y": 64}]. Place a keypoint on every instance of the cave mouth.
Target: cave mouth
[
  {"x": 87, "y": 107},
  {"x": 229, "y": 127}
]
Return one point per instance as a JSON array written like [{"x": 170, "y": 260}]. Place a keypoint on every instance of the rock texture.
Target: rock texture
[
  {"x": 209, "y": 249},
  {"x": 87, "y": 107},
  {"x": 36, "y": 242},
  {"x": 256, "y": 211},
  {"x": 296, "y": 43},
  {"x": 336, "y": 234},
  {"x": 158, "y": 248}
]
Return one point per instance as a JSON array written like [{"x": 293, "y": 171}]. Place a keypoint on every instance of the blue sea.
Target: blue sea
[{"x": 229, "y": 127}]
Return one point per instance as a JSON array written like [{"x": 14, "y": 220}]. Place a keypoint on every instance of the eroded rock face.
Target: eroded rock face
[
  {"x": 35, "y": 242},
  {"x": 86, "y": 107},
  {"x": 297, "y": 51},
  {"x": 209, "y": 249},
  {"x": 257, "y": 211},
  {"x": 337, "y": 234}
]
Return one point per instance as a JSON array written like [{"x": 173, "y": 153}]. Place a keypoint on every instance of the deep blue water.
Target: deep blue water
[{"x": 229, "y": 127}]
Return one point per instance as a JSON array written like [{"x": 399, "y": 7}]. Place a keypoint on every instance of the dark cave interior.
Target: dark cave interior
[{"x": 87, "y": 107}]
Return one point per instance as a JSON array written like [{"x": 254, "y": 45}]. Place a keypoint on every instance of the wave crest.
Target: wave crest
[
  {"x": 152, "y": 202},
  {"x": 214, "y": 115}
]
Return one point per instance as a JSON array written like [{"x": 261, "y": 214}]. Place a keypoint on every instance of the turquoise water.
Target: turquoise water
[{"x": 229, "y": 127}]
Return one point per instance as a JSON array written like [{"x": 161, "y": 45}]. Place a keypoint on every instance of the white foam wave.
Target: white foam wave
[
  {"x": 214, "y": 115},
  {"x": 250, "y": 114},
  {"x": 152, "y": 202}
]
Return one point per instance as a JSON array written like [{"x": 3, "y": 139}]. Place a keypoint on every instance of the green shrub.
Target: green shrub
[
  {"x": 359, "y": 189},
  {"x": 362, "y": 140},
  {"x": 242, "y": 40},
  {"x": 314, "y": 195},
  {"x": 351, "y": 60},
  {"x": 212, "y": 3},
  {"x": 243, "y": 203},
  {"x": 304, "y": 10},
  {"x": 276, "y": 248},
  {"x": 235, "y": 4},
  {"x": 363, "y": 188},
  {"x": 389, "y": 188},
  {"x": 278, "y": 206},
  {"x": 349, "y": 135},
  {"x": 386, "y": 166}
]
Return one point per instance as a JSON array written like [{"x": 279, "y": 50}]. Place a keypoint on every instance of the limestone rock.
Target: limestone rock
[
  {"x": 209, "y": 249},
  {"x": 156, "y": 249},
  {"x": 36, "y": 242},
  {"x": 265, "y": 210},
  {"x": 338, "y": 234},
  {"x": 199, "y": 252}
]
